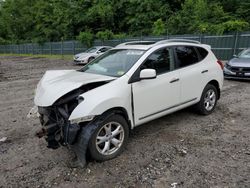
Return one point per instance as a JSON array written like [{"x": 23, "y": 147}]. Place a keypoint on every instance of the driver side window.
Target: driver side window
[{"x": 159, "y": 60}]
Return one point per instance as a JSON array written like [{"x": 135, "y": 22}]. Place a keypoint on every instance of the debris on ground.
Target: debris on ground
[
  {"x": 3, "y": 139},
  {"x": 173, "y": 185}
]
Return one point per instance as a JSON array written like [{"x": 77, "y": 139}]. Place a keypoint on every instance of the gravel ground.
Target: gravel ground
[{"x": 179, "y": 150}]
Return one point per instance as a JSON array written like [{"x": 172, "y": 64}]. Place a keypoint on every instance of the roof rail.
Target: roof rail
[
  {"x": 177, "y": 40},
  {"x": 137, "y": 43}
]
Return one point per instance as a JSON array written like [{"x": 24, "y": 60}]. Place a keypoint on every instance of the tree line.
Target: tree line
[{"x": 55, "y": 20}]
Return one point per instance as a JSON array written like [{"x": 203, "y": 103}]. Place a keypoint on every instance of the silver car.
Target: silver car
[
  {"x": 90, "y": 54},
  {"x": 239, "y": 66}
]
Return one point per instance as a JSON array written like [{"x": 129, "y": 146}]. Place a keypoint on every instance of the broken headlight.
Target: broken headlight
[{"x": 81, "y": 119}]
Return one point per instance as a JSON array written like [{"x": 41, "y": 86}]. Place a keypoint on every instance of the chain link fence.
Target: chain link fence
[{"x": 224, "y": 46}]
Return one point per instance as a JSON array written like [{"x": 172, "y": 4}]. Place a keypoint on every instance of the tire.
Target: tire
[
  {"x": 91, "y": 59},
  {"x": 113, "y": 135},
  {"x": 208, "y": 100}
]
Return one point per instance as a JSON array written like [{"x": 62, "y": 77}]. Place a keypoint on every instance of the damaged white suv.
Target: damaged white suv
[{"x": 94, "y": 108}]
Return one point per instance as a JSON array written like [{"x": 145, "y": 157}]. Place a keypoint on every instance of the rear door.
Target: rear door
[
  {"x": 192, "y": 72},
  {"x": 154, "y": 97}
]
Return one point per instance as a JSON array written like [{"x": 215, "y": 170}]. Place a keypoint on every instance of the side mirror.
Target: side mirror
[
  {"x": 147, "y": 74},
  {"x": 235, "y": 56}
]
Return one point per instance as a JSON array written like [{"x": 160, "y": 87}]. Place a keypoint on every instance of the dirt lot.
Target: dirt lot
[{"x": 182, "y": 148}]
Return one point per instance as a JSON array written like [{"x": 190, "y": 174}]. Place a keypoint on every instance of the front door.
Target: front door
[{"x": 154, "y": 97}]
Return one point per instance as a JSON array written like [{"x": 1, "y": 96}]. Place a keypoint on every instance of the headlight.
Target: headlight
[
  {"x": 228, "y": 66},
  {"x": 81, "y": 119}
]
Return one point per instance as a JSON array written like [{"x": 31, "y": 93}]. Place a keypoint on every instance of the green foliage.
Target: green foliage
[
  {"x": 243, "y": 12},
  {"x": 142, "y": 14},
  {"x": 86, "y": 38},
  {"x": 105, "y": 35},
  {"x": 3, "y": 41},
  {"x": 100, "y": 15},
  {"x": 159, "y": 27},
  {"x": 199, "y": 16},
  {"x": 235, "y": 25},
  {"x": 53, "y": 20},
  {"x": 120, "y": 36}
]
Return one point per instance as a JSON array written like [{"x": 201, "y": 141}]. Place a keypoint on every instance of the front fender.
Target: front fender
[
  {"x": 92, "y": 108},
  {"x": 99, "y": 100}
]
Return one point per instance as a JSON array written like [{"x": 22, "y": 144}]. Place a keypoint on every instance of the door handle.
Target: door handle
[
  {"x": 204, "y": 71},
  {"x": 174, "y": 80}
]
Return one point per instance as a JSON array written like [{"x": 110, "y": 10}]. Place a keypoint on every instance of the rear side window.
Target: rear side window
[
  {"x": 203, "y": 53},
  {"x": 186, "y": 55}
]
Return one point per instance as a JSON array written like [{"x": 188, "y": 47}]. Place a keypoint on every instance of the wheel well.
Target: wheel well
[
  {"x": 91, "y": 58},
  {"x": 215, "y": 84},
  {"x": 121, "y": 111}
]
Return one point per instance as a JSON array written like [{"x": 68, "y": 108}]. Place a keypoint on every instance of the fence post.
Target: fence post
[
  {"x": 32, "y": 48},
  {"x": 50, "y": 44},
  {"x": 62, "y": 47},
  {"x": 236, "y": 35},
  {"x": 74, "y": 50}
]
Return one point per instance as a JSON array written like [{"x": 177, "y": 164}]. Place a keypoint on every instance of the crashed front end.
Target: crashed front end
[
  {"x": 58, "y": 95},
  {"x": 56, "y": 126}
]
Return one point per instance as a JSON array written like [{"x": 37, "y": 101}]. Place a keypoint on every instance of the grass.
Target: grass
[{"x": 65, "y": 57}]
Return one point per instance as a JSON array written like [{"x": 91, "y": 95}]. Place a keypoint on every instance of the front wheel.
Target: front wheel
[
  {"x": 208, "y": 100},
  {"x": 91, "y": 59},
  {"x": 109, "y": 139}
]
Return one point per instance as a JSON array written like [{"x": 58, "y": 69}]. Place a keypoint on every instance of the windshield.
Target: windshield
[
  {"x": 114, "y": 62},
  {"x": 91, "y": 50},
  {"x": 245, "y": 54}
]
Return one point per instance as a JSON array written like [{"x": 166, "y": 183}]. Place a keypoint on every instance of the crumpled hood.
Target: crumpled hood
[
  {"x": 239, "y": 62},
  {"x": 56, "y": 83}
]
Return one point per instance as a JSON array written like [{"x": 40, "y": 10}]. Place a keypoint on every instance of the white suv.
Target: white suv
[{"x": 95, "y": 107}]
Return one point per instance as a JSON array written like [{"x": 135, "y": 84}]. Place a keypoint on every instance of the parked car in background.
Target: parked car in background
[
  {"x": 136, "y": 82},
  {"x": 90, "y": 54},
  {"x": 239, "y": 66}
]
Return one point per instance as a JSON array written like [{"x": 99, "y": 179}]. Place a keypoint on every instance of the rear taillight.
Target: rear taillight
[{"x": 221, "y": 64}]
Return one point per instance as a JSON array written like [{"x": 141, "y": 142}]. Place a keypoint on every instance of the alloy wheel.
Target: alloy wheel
[
  {"x": 110, "y": 138},
  {"x": 210, "y": 100}
]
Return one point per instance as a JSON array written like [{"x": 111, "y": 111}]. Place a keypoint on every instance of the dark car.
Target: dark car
[{"x": 239, "y": 66}]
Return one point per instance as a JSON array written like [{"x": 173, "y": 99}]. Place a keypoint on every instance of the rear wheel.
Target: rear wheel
[
  {"x": 109, "y": 139},
  {"x": 208, "y": 100}
]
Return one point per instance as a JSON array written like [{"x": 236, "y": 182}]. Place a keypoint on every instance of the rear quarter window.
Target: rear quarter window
[{"x": 202, "y": 52}]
